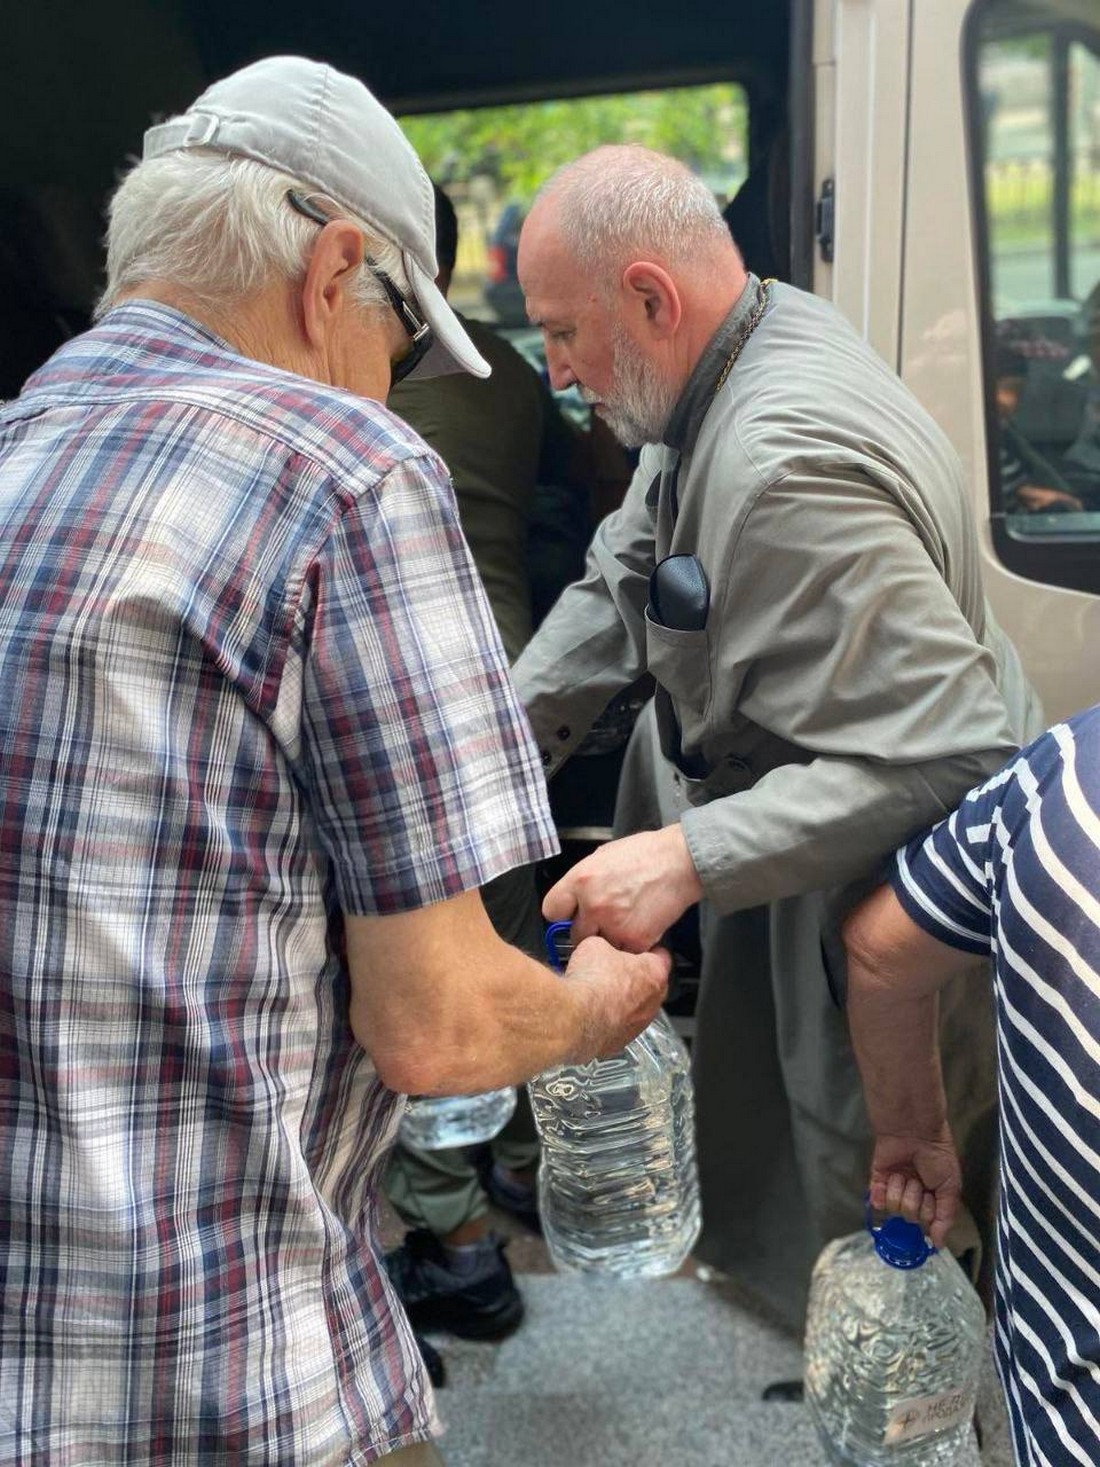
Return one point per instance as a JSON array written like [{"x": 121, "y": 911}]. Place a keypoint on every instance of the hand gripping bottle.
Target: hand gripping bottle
[
  {"x": 894, "y": 1339},
  {"x": 434, "y": 1122},
  {"x": 618, "y": 1188}
]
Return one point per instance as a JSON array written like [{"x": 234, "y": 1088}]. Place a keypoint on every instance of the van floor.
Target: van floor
[{"x": 660, "y": 1373}]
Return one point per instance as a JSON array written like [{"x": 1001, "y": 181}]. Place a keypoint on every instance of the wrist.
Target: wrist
[{"x": 681, "y": 866}]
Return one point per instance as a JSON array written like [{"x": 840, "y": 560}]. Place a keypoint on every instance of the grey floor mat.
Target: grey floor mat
[{"x": 660, "y": 1374}]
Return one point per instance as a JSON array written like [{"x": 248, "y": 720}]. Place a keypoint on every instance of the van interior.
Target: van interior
[{"x": 84, "y": 81}]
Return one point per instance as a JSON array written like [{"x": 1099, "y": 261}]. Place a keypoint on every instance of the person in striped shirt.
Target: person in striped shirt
[
  {"x": 258, "y": 752},
  {"x": 1014, "y": 872}
]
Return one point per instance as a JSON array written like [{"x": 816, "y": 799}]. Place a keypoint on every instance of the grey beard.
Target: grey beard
[{"x": 641, "y": 404}]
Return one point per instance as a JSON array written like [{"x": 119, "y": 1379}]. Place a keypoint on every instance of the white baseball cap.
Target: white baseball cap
[{"x": 326, "y": 130}]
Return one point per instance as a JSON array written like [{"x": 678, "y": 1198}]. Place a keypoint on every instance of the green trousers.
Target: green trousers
[
  {"x": 441, "y": 1190},
  {"x": 422, "y": 1455}
]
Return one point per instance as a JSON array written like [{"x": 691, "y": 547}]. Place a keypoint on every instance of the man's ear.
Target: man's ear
[
  {"x": 337, "y": 255},
  {"x": 652, "y": 298}
]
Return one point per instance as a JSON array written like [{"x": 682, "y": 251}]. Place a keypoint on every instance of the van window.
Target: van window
[
  {"x": 1034, "y": 74},
  {"x": 492, "y": 160}
]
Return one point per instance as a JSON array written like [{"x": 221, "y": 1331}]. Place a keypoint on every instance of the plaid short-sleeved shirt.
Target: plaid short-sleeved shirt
[{"x": 249, "y": 681}]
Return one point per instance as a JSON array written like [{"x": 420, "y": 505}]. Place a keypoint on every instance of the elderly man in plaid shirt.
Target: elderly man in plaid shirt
[{"x": 258, "y": 750}]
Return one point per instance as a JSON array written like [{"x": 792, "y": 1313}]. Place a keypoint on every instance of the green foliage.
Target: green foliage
[
  {"x": 518, "y": 147},
  {"x": 1020, "y": 199}
]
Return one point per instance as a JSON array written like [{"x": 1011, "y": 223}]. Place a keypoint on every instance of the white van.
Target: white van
[
  {"x": 960, "y": 145},
  {"x": 931, "y": 165}
]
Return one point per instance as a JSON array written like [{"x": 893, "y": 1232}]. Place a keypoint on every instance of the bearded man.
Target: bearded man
[{"x": 796, "y": 565}]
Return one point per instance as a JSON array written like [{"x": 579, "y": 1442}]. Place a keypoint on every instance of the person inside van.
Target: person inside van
[
  {"x": 500, "y": 438},
  {"x": 1029, "y": 484},
  {"x": 796, "y": 565}
]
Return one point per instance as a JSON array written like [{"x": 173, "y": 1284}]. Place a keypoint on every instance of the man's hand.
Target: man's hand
[
  {"x": 628, "y": 990},
  {"x": 629, "y": 891},
  {"x": 1037, "y": 498},
  {"x": 920, "y": 1179},
  {"x": 444, "y": 1007}
]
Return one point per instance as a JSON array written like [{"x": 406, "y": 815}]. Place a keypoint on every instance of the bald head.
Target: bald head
[
  {"x": 622, "y": 202},
  {"x": 629, "y": 268}
]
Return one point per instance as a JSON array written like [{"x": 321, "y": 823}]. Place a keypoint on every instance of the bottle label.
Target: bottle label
[{"x": 925, "y": 1414}]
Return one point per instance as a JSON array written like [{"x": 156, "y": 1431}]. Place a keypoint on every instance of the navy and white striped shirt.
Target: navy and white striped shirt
[{"x": 1016, "y": 872}]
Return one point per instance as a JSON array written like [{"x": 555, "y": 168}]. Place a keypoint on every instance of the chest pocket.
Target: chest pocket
[{"x": 680, "y": 662}]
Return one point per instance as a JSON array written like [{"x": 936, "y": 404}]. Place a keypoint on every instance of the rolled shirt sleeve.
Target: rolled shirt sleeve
[{"x": 942, "y": 879}]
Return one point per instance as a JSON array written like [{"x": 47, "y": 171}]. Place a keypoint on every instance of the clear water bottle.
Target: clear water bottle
[
  {"x": 618, "y": 1186},
  {"x": 434, "y": 1122},
  {"x": 894, "y": 1340}
]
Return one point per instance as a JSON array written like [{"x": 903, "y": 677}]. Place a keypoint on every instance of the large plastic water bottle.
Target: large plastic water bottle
[
  {"x": 618, "y": 1186},
  {"x": 434, "y": 1122},
  {"x": 894, "y": 1339}
]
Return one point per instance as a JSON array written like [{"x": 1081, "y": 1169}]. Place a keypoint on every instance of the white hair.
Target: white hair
[
  {"x": 623, "y": 200},
  {"x": 220, "y": 227}
]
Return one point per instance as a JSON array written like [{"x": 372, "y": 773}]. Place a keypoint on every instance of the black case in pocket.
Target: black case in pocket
[{"x": 679, "y": 596}]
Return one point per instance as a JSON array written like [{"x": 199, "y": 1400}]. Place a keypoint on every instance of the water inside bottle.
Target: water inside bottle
[
  {"x": 892, "y": 1358},
  {"x": 618, "y": 1191},
  {"x": 435, "y": 1122}
]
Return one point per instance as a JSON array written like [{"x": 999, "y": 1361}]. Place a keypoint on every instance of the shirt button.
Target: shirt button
[
  {"x": 563, "y": 733},
  {"x": 545, "y": 756}
]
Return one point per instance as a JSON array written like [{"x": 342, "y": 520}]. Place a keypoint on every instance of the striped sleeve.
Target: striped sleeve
[{"x": 944, "y": 879}]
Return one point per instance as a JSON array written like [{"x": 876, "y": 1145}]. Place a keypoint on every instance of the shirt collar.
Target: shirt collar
[
  {"x": 145, "y": 314},
  {"x": 138, "y": 336},
  {"x": 695, "y": 400}
]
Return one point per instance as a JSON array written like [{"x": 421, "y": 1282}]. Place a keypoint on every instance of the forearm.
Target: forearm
[
  {"x": 896, "y": 1049},
  {"x": 895, "y": 972},
  {"x": 510, "y": 1025},
  {"x": 460, "y": 1011}
]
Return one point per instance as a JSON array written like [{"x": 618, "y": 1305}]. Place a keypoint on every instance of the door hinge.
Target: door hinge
[{"x": 825, "y": 220}]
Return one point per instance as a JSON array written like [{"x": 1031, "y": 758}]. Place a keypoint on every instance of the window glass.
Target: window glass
[
  {"x": 1084, "y": 142},
  {"x": 1019, "y": 168},
  {"x": 1038, "y": 130},
  {"x": 491, "y": 161}
]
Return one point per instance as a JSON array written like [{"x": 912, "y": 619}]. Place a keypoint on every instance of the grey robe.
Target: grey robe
[{"x": 849, "y": 687}]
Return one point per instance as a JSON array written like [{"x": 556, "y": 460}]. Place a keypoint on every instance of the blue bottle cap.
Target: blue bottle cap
[
  {"x": 557, "y": 939},
  {"x": 899, "y": 1243}
]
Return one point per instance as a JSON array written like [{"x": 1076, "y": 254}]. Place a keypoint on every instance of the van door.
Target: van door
[{"x": 1000, "y": 260}]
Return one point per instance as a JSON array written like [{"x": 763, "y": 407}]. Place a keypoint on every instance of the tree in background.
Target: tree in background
[{"x": 518, "y": 147}]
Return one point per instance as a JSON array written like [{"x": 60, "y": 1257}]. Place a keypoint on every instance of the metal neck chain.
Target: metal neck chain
[{"x": 753, "y": 323}]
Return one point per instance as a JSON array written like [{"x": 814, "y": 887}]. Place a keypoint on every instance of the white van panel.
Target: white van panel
[{"x": 870, "y": 44}]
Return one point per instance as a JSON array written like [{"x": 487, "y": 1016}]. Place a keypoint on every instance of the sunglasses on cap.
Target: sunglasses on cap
[{"x": 419, "y": 332}]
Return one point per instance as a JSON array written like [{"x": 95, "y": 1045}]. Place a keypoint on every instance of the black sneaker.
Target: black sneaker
[
  {"x": 433, "y": 1361},
  {"x": 485, "y": 1306}
]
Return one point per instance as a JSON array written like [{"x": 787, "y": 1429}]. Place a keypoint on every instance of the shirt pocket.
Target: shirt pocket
[{"x": 680, "y": 662}]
